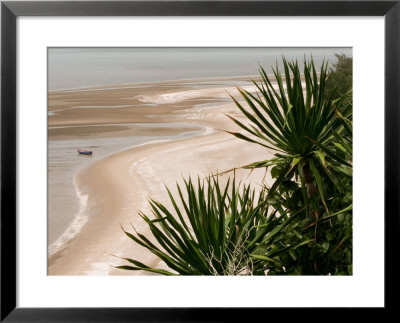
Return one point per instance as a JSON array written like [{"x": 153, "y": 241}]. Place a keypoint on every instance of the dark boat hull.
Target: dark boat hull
[{"x": 84, "y": 152}]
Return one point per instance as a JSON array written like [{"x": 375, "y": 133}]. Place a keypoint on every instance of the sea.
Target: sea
[{"x": 84, "y": 67}]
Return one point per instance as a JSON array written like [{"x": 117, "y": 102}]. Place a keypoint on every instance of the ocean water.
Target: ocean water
[{"x": 81, "y": 67}]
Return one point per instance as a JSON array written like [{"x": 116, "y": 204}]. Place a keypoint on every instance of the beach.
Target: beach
[{"x": 143, "y": 136}]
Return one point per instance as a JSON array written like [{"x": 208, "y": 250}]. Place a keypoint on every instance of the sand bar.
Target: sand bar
[{"x": 117, "y": 186}]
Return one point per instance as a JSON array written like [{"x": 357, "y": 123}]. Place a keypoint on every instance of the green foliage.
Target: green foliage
[
  {"x": 330, "y": 249},
  {"x": 310, "y": 128},
  {"x": 340, "y": 78},
  {"x": 221, "y": 231},
  {"x": 306, "y": 131}
]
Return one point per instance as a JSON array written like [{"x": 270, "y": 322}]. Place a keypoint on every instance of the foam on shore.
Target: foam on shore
[
  {"x": 83, "y": 215},
  {"x": 75, "y": 227}
]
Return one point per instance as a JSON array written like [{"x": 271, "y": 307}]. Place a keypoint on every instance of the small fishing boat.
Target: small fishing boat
[{"x": 84, "y": 152}]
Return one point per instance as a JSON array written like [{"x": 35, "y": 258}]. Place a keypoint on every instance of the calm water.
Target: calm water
[
  {"x": 80, "y": 67},
  {"x": 67, "y": 209}
]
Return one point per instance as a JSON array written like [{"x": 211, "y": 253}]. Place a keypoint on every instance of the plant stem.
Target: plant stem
[
  {"x": 308, "y": 179},
  {"x": 311, "y": 191}
]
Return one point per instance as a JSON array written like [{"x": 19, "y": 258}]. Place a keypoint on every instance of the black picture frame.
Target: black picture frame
[{"x": 10, "y": 11}]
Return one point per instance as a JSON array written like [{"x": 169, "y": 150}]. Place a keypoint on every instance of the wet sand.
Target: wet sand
[{"x": 117, "y": 185}]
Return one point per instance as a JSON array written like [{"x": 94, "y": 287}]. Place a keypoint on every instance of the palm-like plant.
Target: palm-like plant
[
  {"x": 310, "y": 136},
  {"x": 219, "y": 230}
]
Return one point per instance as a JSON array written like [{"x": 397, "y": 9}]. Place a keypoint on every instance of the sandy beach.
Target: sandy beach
[{"x": 143, "y": 136}]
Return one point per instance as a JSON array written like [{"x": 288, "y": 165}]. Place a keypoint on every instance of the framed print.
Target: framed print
[{"x": 193, "y": 160}]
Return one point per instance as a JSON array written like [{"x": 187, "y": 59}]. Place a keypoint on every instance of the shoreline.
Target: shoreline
[
  {"x": 81, "y": 218},
  {"x": 114, "y": 204},
  {"x": 118, "y": 185}
]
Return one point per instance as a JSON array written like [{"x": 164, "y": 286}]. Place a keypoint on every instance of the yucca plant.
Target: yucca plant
[
  {"x": 306, "y": 131},
  {"x": 213, "y": 229}
]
